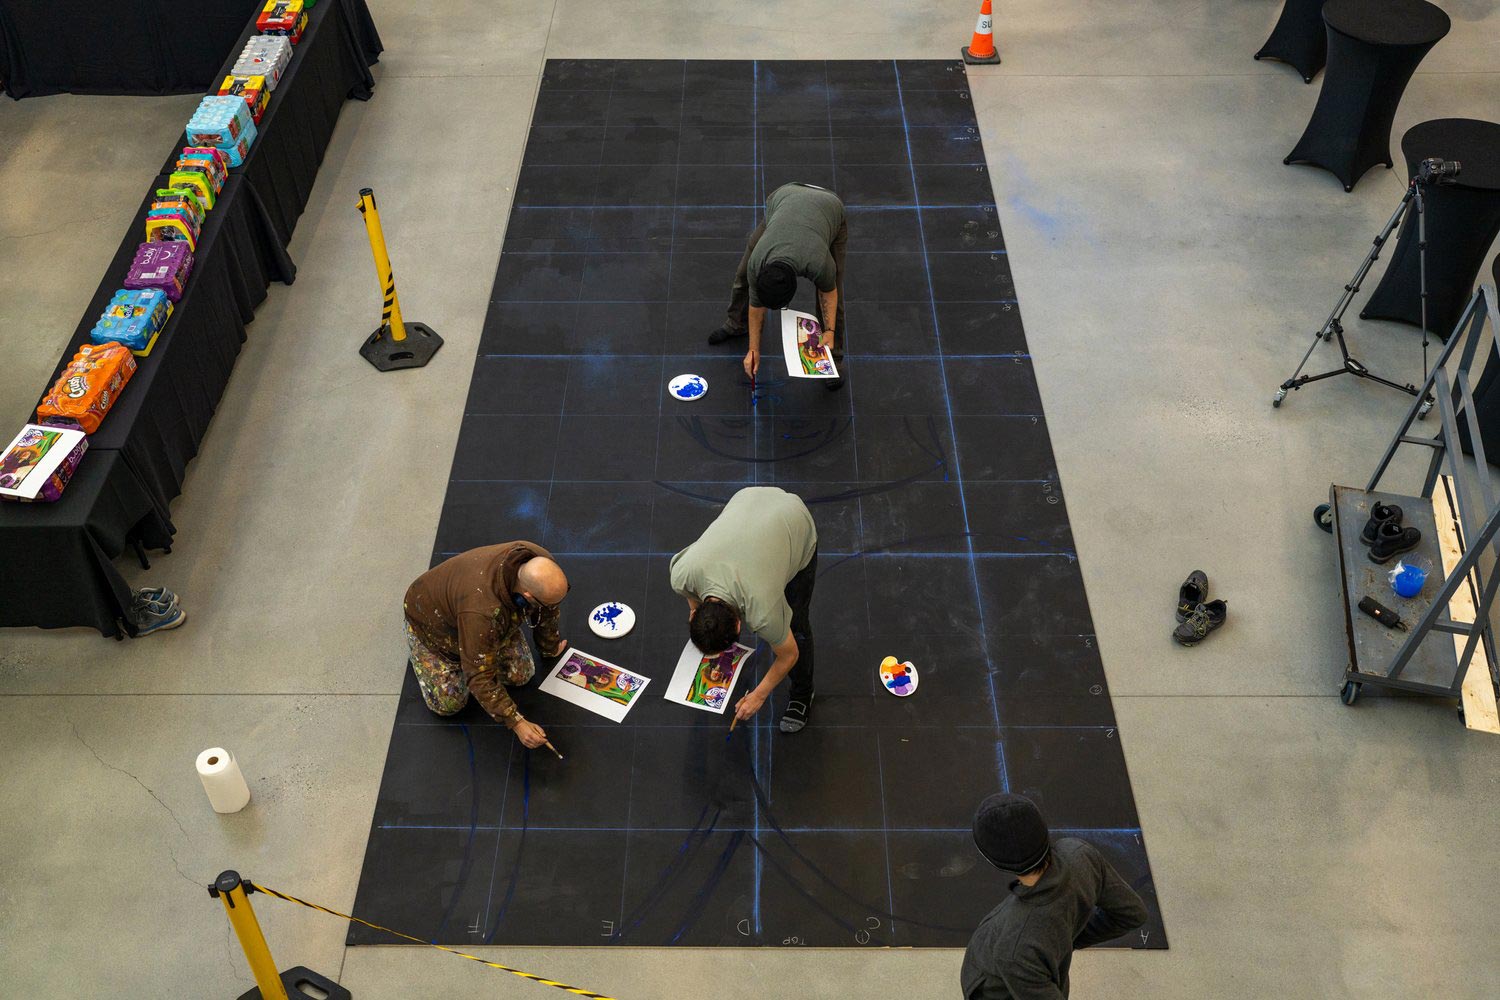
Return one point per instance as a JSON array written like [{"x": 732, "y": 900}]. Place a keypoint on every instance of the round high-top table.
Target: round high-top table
[
  {"x": 1374, "y": 46},
  {"x": 1299, "y": 39},
  {"x": 1463, "y": 219}
]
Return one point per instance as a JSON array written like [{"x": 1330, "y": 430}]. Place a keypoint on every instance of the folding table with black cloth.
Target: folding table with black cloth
[
  {"x": 1463, "y": 218},
  {"x": 1299, "y": 39},
  {"x": 58, "y": 558},
  {"x": 142, "y": 449},
  {"x": 137, "y": 47},
  {"x": 1374, "y": 46},
  {"x": 329, "y": 65},
  {"x": 164, "y": 410}
]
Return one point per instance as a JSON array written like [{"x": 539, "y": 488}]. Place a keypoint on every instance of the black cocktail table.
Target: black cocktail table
[
  {"x": 1374, "y": 46},
  {"x": 1462, "y": 220},
  {"x": 1299, "y": 38}
]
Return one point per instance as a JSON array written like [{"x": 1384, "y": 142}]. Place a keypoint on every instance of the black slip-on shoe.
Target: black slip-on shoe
[
  {"x": 1379, "y": 514},
  {"x": 1193, "y": 592},
  {"x": 1200, "y": 621},
  {"x": 795, "y": 717},
  {"x": 834, "y": 384},
  {"x": 723, "y": 335},
  {"x": 1391, "y": 540}
]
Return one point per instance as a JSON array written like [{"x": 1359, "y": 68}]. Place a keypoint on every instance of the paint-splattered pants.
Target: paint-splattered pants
[{"x": 444, "y": 688}]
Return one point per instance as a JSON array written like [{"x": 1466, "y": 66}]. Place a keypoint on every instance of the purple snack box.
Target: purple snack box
[
  {"x": 20, "y": 465},
  {"x": 161, "y": 265}
]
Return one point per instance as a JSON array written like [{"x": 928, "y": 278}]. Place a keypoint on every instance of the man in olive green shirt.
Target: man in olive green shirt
[
  {"x": 805, "y": 234},
  {"x": 755, "y": 566}
]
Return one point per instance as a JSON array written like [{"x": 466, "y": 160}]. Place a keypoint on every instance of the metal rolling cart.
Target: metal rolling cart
[{"x": 1457, "y": 600}]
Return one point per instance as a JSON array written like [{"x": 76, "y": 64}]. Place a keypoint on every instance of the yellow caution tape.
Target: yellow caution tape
[{"x": 416, "y": 940}]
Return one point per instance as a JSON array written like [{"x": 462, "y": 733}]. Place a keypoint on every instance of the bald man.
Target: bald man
[{"x": 464, "y": 621}]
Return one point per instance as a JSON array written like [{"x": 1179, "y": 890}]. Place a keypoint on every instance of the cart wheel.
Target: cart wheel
[
  {"x": 1349, "y": 693},
  {"x": 1323, "y": 517}
]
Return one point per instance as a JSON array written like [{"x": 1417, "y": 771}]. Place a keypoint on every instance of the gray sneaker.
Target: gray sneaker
[
  {"x": 154, "y": 618},
  {"x": 158, "y": 598},
  {"x": 795, "y": 717}
]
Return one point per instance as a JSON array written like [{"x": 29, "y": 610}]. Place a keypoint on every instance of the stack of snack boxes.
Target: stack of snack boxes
[
  {"x": 134, "y": 317},
  {"x": 88, "y": 387},
  {"x": 283, "y": 17},
  {"x": 252, "y": 88},
  {"x": 39, "y": 461},
  {"x": 225, "y": 123},
  {"x": 161, "y": 265},
  {"x": 264, "y": 56}
]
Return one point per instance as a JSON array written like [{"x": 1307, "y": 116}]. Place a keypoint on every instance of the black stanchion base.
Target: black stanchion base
[
  {"x": 974, "y": 60},
  {"x": 295, "y": 979},
  {"x": 389, "y": 355}
]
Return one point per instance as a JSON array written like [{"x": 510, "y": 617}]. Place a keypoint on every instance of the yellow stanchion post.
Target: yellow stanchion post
[
  {"x": 396, "y": 344},
  {"x": 234, "y": 893}
]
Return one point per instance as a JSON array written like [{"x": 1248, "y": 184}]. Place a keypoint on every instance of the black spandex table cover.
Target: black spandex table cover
[
  {"x": 116, "y": 46},
  {"x": 1374, "y": 46},
  {"x": 329, "y": 65},
  {"x": 1486, "y": 403},
  {"x": 163, "y": 413},
  {"x": 59, "y": 557},
  {"x": 1462, "y": 221},
  {"x": 138, "y": 457},
  {"x": 1299, "y": 38}
]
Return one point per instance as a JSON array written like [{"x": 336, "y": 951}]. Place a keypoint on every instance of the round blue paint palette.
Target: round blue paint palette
[
  {"x": 611, "y": 620},
  {"x": 688, "y": 387}
]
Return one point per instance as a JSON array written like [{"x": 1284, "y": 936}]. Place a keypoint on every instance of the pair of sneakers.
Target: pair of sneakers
[
  {"x": 1386, "y": 536},
  {"x": 1197, "y": 616},
  {"x": 155, "y": 609}
]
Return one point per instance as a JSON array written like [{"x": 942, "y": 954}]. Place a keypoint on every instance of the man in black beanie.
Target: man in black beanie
[
  {"x": 804, "y": 235},
  {"x": 1063, "y": 896}
]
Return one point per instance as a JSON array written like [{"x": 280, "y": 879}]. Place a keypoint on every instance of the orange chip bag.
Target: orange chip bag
[{"x": 88, "y": 386}]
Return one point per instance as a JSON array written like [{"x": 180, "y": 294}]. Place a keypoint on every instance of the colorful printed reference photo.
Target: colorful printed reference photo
[
  {"x": 706, "y": 681},
  {"x": 802, "y": 346},
  {"x": 24, "y": 455},
  {"x": 595, "y": 684}
]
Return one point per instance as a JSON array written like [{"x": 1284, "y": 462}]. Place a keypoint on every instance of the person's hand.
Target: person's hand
[
  {"x": 530, "y": 734},
  {"x": 828, "y": 339},
  {"x": 562, "y": 647},
  {"x": 752, "y": 362},
  {"x": 748, "y": 705}
]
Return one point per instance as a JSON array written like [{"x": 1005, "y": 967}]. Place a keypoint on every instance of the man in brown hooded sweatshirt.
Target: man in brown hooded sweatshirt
[{"x": 464, "y": 622}]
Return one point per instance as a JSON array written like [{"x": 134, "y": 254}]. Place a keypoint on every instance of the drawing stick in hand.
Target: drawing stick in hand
[
  {"x": 549, "y": 746},
  {"x": 734, "y": 722}
]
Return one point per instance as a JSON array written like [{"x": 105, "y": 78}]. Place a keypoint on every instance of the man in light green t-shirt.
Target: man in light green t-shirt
[
  {"x": 755, "y": 567},
  {"x": 804, "y": 235}
]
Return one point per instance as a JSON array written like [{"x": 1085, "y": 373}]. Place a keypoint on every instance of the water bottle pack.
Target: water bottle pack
[
  {"x": 225, "y": 123},
  {"x": 134, "y": 317},
  {"x": 264, "y": 55}
]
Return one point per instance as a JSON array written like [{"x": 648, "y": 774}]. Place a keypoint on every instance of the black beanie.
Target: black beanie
[
  {"x": 1010, "y": 832},
  {"x": 776, "y": 283}
]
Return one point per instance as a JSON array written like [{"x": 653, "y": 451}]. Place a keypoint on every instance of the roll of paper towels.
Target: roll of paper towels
[{"x": 222, "y": 780}]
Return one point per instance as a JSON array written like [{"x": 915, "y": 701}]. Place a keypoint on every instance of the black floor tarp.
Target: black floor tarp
[{"x": 943, "y": 535}]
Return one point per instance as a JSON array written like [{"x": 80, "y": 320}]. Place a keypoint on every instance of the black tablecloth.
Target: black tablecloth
[
  {"x": 58, "y": 557},
  {"x": 117, "y": 46},
  {"x": 329, "y": 65},
  {"x": 1463, "y": 219},
  {"x": 1374, "y": 46},
  {"x": 163, "y": 413},
  {"x": 1299, "y": 38},
  {"x": 138, "y": 458}
]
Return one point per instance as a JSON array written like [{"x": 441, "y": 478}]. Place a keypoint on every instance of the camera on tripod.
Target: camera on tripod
[{"x": 1434, "y": 170}]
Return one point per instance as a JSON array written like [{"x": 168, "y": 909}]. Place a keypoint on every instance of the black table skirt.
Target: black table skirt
[
  {"x": 1299, "y": 38},
  {"x": 116, "y": 46},
  {"x": 137, "y": 459},
  {"x": 59, "y": 557},
  {"x": 1463, "y": 219},
  {"x": 329, "y": 65},
  {"x": 163, "y": 412}
]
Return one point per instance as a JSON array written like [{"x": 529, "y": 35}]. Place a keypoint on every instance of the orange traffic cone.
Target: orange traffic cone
[{"x": 982, "y": 48}]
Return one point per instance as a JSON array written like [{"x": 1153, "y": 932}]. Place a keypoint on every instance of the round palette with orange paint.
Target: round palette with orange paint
[{"x": 898, "y": 677}]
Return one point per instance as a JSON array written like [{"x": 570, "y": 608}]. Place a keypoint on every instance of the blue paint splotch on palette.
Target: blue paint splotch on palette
[{"x": 608, "y": 615}]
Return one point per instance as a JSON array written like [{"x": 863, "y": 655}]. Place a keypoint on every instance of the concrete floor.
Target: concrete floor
[{"x": 1170, "y": 270}]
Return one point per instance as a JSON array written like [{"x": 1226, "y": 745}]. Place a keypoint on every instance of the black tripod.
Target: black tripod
[{"x": 1430, "y": 171}]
